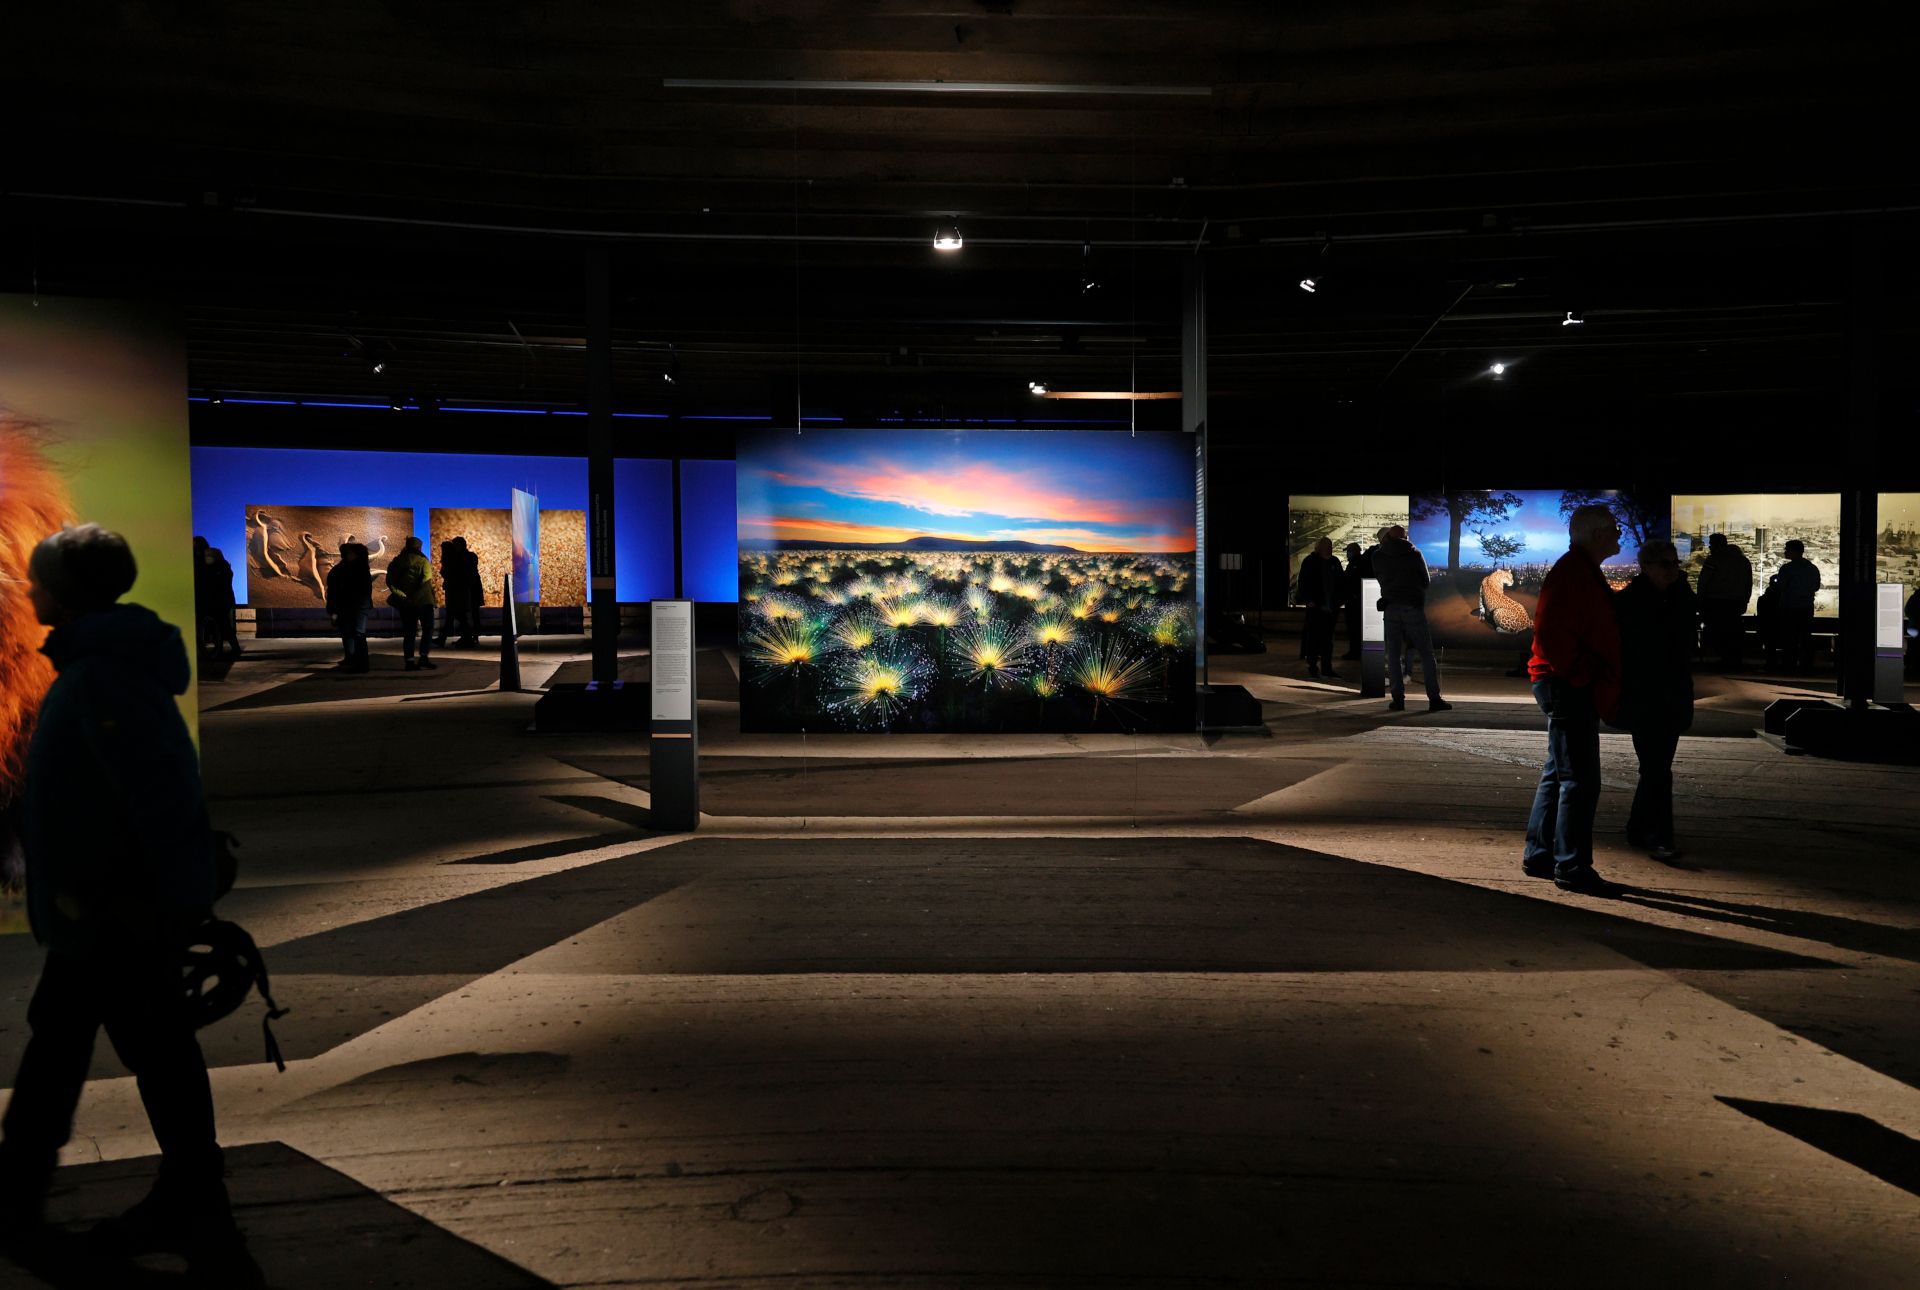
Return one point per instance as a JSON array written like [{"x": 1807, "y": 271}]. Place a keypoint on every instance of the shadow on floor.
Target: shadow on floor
[
  {"x": 724, "y": 906},
  {"x": 1845, "y": 1135},
  {"x": 387, "y": 679},
  {"x": 1149, "y": 782},
  {"x": 307, "y": 1224}
]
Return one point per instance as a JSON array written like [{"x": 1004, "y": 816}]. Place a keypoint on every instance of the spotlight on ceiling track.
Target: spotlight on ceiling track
[
  {"x": 1498, "y": 369},
  {"x": 216, "y": 398},
  {"x": 947, "y": 238},
  {"x": 1309, "y": 285},
  {"x": 380, "y": 367},
  {"x": 1574, "y": 318},
  {"x": 1036, "y": 387}
]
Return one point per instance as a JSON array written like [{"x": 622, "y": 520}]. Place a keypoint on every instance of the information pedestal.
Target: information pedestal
[
  {"x": 1889, "y": 644},
  {"x": 674, "y": 750},
  {"x": 1373, "y": 641}
]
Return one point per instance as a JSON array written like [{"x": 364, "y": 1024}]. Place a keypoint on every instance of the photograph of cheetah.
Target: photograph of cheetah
[{"x": 1488, "y": 550}]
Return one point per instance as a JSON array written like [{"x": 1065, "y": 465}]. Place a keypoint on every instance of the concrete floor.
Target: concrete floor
[{"x": 1040, "y": 1011}]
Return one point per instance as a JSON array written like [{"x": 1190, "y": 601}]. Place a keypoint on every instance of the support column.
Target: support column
[
  {"x": 1860, "y": 500},
  {"x": 601, "y": 595},
  {"x": 1193, "y": 419}
]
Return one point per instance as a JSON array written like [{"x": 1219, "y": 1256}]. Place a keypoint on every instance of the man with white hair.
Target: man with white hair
[{"x": 1575, "y": 668}]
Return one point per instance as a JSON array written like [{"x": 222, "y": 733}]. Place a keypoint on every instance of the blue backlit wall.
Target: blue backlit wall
[
  {"x": 643, "y": 506},
  {"x": 709, "y": 533},
  {"x": 225, "y": 480}
]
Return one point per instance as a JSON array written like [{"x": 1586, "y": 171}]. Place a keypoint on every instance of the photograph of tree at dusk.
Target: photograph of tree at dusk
[{"x": 928, "y": 581}]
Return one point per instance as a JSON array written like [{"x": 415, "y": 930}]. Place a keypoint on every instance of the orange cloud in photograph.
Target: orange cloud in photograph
[
  {"x": 807, "y": 528},
  {"x": 968, "y": 490}
]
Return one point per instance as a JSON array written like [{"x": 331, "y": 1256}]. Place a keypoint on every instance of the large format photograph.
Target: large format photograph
[
  {"x": 291, "y": 549},
  {"x": 1488, "y": 551},
  {"x": 1897, "y": 553},
  {"x": 966, "y": 580},
  {"x": 93, "y": 427},
  {"x": 1761, "y": 525},
  {"x": 489, "y": 535},
  {"x": 1342, "y": 519}
]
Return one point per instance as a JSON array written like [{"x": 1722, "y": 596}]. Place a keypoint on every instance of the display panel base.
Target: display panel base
[
  {"x": 1856, "y": 734},
  {"x": 1228, "y": 707},
  {"x": 591, "y": 706}
]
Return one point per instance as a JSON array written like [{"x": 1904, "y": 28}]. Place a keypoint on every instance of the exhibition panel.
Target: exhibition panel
[
  {"x": 230, "y": 483},
  {"x": 526, "y": 548},
  {"x": 93, "y": 426},
  {"x": 1488, "y": 551},
  {"x": 642, "y": 528},
  {"x": 966, "y": 580},
  {"x": 1341, "y": 518},
  {"x": 290, "y": 549},
  {"x": 709, "y": 541},
  {"x": 489, "y": 535},
  {"x": 1761, "y": 524},
  {"x": 1898, "y": 547}
]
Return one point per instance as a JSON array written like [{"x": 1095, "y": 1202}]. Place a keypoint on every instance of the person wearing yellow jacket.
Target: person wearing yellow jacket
[{"x": 410, "y": 590}]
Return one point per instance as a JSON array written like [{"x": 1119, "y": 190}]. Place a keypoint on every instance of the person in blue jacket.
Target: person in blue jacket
[{"x": 120, "y": 873}]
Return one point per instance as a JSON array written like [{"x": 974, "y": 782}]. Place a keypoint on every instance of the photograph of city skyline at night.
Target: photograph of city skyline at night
[{"x": 923, "y": 581}]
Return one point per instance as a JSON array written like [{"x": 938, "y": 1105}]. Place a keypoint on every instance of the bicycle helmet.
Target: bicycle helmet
[{"x": 220, "y": 966}]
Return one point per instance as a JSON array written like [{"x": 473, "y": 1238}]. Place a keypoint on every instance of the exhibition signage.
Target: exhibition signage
[
  {"x": 674, "y": 750},
  {"x": 1889, "y": 644},
  {"x": 1373, "y": 641}
]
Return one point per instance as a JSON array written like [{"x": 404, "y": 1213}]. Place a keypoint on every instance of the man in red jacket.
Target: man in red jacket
[{"x": 1576, "y": 681}]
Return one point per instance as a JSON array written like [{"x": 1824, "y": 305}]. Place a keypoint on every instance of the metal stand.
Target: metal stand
[
  {"x": 673, "y": 753},
  {"x": 1373, "y": 641},
  {"x": 509, "y": 639}
]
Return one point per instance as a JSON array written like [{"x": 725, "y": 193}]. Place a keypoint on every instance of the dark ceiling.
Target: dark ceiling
[{"x": 1724, "y": 189}]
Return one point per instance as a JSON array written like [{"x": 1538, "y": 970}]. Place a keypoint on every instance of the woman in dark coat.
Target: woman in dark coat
[{"x": 1658, "y": 618}]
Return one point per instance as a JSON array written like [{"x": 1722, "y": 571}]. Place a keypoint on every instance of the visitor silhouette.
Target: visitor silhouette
[{"x": 120, "y": 873}]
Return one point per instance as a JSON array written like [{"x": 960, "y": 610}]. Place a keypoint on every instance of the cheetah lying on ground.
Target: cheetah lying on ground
[{"x": 1499, "y": 610}]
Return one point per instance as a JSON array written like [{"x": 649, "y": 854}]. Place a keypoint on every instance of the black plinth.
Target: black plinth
[
  {"x": 1229, "y": 707},
  {"x": 1774, "y": 719},
  {"x": 1856, "y": 734},
  {"x": 591, "y": 706}
]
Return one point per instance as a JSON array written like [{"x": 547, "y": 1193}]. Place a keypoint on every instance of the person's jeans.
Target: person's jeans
[
  {"x": 1560, "y": 828},
  {"x": 1318, "y": 645},
  {"x": 461, "y": 622},
  {"x": 1795, "y": 638},
  {"x": 136, "y": 997},
  {"x": 1407, "y": 630},
  {"x": 1651, "y": 820},
  {"x": 1722, "y": 634},
  {"x": 416, "y": 620},
  {"x": 353, "y": 638}
]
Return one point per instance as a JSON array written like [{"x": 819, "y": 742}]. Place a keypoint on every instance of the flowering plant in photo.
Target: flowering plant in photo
[{"x": 911, "y": 581}]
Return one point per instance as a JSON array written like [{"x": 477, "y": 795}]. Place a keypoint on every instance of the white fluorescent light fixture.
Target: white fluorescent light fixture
[
  {"x": 939, "y": 87},
  {"x": 947, "y": 238},
  {"x": 1309, "y": 285}
]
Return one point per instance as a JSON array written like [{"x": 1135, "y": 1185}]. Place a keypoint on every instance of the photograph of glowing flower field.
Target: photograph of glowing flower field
[{"x": 930, "y": 581}]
